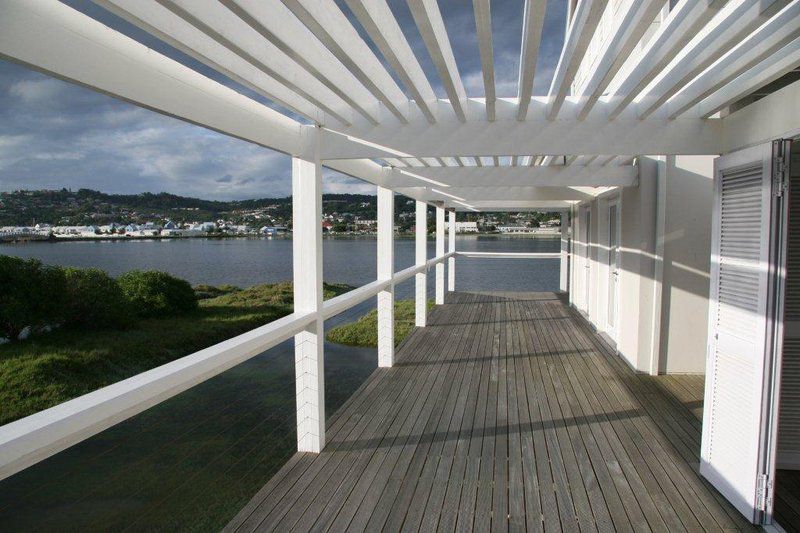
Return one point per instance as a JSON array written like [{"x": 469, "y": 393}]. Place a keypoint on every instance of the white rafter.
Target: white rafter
[
  {"x": 431, "y": 26},
  {"x": 635, "y": 19},
  {"x": 759, "y": 46},
  {"x": 581, "y": 30},
  {"x": 483, "y": 23},
  {"x": 684, "y": 22},
  {"x": 727, "y": 29},
  {"x": 532, "y": 23},
  {"x": 327, "y": 22}
]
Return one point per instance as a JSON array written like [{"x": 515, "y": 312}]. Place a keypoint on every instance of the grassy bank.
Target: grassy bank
[
  {"x": 48, "y": 369},
  {"x": 364, "y": 331}
]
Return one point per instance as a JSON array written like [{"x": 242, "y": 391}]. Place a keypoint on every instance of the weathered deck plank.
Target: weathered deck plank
[{"x": 506, "y": 413}]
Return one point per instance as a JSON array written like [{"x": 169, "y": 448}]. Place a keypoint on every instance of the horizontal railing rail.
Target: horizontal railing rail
[
  {"x": 511, "y": 255},
  {"x": 34, "y": 438}
]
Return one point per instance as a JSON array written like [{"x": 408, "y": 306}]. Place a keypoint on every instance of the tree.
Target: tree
[{"x": 33, "y": 295}]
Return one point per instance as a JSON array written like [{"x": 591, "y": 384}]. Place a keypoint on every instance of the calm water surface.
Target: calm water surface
[{"x": 192, "y": 462}]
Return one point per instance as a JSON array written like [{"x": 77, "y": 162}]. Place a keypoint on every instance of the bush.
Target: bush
[
  {"x": 157, "y": 294},
  {"x": 31, "y": 295},
  {"x": 204, "y": 292},
  {"x": 94, "y": 300}
]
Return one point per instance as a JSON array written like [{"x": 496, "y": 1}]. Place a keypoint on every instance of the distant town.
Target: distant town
[{"x": 87, "y": 214}]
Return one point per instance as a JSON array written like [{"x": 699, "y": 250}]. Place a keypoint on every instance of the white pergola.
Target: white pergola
[{"x": 345, "y": 110}]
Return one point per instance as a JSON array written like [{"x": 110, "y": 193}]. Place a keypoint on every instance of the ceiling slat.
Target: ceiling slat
[
  {"x": 532, "y": 24},
  {"x": 483, "y": 23}
]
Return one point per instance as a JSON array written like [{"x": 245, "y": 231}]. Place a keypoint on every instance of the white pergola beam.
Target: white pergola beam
[
  {"x": 483, "y": 23},
  {"x": 727, "y": 29},
  {"x": 580, "y": 33},
  {"x": 630, "y": 26},
  {"x": 221, "y": 25},
  {"x": 58, "y": 40},
  {"x": 377, "y": 19},
  {"x": 507, "y": 136},
  {"x": 782, "y": 62},
  {"x": 173, "y": 30},
  {"x": 432, "y": 29},
  {"x": 684, "y": 22},
  {"x": 533, "y": 21},
  {"x": 451, "y": 247},
  {"x": 556, "y": 175},
  {"x": 331, "y": 26},
  {"x": 759, "y": 46}
]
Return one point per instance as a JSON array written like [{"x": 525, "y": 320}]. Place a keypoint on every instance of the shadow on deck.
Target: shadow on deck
[{"x": 506, "y": 412}]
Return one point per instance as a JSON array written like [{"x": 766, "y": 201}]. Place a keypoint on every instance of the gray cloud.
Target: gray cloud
[{"x": 54, "y": 134}]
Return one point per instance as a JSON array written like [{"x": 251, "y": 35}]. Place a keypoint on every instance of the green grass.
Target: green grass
[
  {"x": 364, "y": 331},
  {"x": 52, "y": 368}
]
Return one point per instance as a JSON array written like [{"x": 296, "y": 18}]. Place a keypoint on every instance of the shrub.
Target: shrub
[
  {"x": 31, "y": 295},
  {"x": 204, "y": 292},
  {"x": 155, "y": 294},
  {"x": 94, "y": 300}
]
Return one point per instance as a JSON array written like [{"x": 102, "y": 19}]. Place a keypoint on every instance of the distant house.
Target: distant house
[
  {"x": 130, "y": 229},
  {"x": 327, "y": 226},
  {"x": 466, "y": 227},
  {"x": 514, "y": 229},
  {"x": 203, "y": 227},
  {"x": 170, "y": 225},
  {"x": 269, "y": 230}
]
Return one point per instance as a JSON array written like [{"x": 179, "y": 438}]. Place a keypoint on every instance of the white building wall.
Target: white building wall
[{"x": 663, "y": 290}]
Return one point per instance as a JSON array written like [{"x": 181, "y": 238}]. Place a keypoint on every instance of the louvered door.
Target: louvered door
[{"x": 739, "y": 344}]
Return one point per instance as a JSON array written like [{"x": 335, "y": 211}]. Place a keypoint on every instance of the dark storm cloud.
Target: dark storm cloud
[{"x": 54, "y": 134}]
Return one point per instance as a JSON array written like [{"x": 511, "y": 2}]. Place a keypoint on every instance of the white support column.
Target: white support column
[
  {"x": 421, "y": 248},
  {"x": 307, "y": 266},
  {"x": 451, "y": 247},
  {"x": 386, "y": 271},
  {"x": 439, "y": 252},
  {"x": 565, "y": 259}
]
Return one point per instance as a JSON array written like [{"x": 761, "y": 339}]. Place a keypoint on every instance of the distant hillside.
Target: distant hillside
[{"x": 86, "y": 206}]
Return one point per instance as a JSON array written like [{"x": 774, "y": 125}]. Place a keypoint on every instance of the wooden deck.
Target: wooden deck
[{"x": 506, "y": 412}]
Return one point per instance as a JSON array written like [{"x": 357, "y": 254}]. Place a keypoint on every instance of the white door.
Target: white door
[
  {"x": 614, "y": 235},
  {"x": 585, "y": 236},
  {"x": 737, "y": 454}
]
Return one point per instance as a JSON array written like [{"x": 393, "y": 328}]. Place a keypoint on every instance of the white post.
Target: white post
[
  {"x": 307, "y": 267},
  {"x": 421, "y": 248},
  {"x": 386, "y": 271},
  {"x": 565, "y": 259},
  {"x": 439, "y": 252},
  {"x": 451, "y": 247}
]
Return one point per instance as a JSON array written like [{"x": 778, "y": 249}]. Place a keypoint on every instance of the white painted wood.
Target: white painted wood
[
  {"x": 421, "y": 258},
  {"x": 173, "y": 30},
  {"x": 221, "y": 25},
  {"x": 685, "y": 20},
  {"x": 728, "y": 28},
  {"x": 385, "y": 272},
  {"x": 773, "y": 117},
  {"x": 431, "y": 27},
  {"x": 510, "y": 255},
  {"x": 532, "y": 23},
  {"x": 310, "y": 47},
  {"x": 564, "y": 274},
  {"x": 733, "y": 422},
  {"x": 379, "y": 22},
  {"x": 759, "y": 46},
  {"x": 439, "y": 252},
  {"x": 58, "y": 40},
  {"x": 581, "y": 30},
  {"x": 34, "y": 438},
  {"x": 781, "y": 63},
  {"x": 483, "y": 25},
  {"x": 507, "y": 136},
  {"x": 451, "y": 247},
  {"x": 307, "y": 268},
  {"x": 331, "y": 26},
  {"x": 630, "y": 26}
]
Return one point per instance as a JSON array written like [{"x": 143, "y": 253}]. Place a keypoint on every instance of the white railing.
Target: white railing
[
  {"x": 511, "y": 255},
  {"x": 34, "y": 438}
]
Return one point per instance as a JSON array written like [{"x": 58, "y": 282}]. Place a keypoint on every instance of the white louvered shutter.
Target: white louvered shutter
[{"x": 737, "y": 343}]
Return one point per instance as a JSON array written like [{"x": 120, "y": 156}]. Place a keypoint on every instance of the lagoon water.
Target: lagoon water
[{"x": 191, "y": 462}]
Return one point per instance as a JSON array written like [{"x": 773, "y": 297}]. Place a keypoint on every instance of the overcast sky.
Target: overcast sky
[{"x": 54, "y": 134}]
